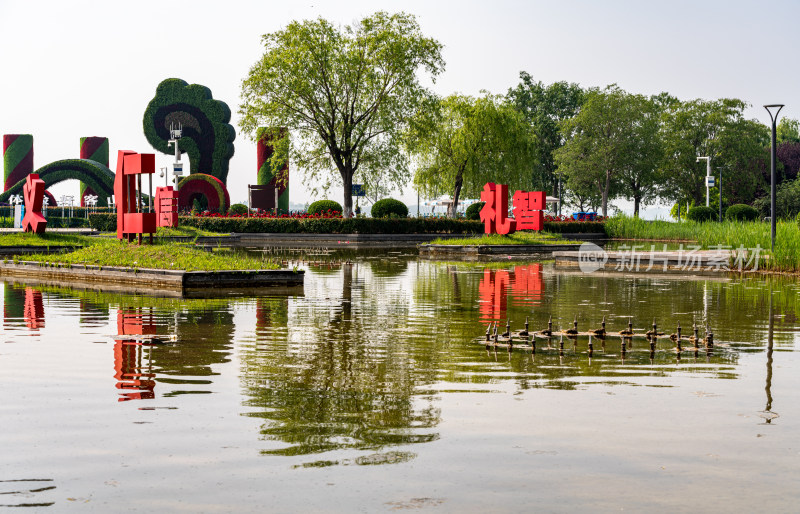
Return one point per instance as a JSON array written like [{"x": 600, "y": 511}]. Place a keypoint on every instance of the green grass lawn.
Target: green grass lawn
[
  {"x": 712, "y": 234},
  {"x": 110, "y": 252},
  {"x": 46, "y": 239},
  {"x": 517, "y": 238}
]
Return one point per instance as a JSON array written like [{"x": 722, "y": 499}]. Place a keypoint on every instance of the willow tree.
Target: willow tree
[
  {"x": 462, "y": 142},
  {"x": 344, "y": 92}
]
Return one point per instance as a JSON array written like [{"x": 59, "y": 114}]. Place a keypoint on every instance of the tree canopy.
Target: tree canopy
[
  {"x": 345, "y": 93},
  {"x": 545, "y": 107},
  {"x": 463, "y": 142}
]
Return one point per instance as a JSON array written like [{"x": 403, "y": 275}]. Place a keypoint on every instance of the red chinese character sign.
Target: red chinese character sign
[
  {"x": 166, "y": 207},
  {"x": 494, "y": 214},
  {"x": 527, "y": 209},
  {"x": 34, "y": 197}
]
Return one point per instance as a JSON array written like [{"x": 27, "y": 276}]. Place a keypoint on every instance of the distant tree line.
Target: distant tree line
[{"x": 357, "y": 112}]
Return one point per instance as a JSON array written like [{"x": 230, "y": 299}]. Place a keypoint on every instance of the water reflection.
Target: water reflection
[{"x": 361, "y": 362}]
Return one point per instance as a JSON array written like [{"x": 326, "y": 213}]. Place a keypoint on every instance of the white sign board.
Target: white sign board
[{"x": 711, "y": 181}]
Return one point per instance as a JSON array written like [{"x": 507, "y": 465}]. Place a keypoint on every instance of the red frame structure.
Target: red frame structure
[{"x": 131, "y": 221}]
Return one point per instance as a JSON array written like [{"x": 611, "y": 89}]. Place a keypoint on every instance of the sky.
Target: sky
[{"x": 89, "y": 68}]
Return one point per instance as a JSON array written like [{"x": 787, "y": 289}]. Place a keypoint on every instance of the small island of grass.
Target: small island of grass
[
  {"x": 517, "y": 238},
  {"x": 172, "y": 256}
]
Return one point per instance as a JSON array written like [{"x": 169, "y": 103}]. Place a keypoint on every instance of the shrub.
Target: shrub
[
  {"x": 389, "y": 207},
  {"x": 237, "y": 209},
  {"x": 701, "y": 213},
  {"x": 321, "y": 206},
  {"x": 473, "y": 212},
  {"x": 741, "y": 212}
]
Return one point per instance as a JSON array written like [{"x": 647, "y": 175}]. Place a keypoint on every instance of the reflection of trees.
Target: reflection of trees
[
  {"x": 501, "y": 295},
  {"x": 343, "y": 376}
]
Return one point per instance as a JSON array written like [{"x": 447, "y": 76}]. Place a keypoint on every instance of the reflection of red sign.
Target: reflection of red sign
[
  {"x": 33, "y": 191},
  {"x": 34, "y": 308},
  {"x": 528, "y": 207},
  {"x": 525, "y": 283},
  {"x": 135, "y": 384}
]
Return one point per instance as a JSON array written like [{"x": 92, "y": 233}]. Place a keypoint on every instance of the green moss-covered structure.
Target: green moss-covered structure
[
  {"x": 96, "y": 149},
  {"x": 207, "y": 134},
  {"x": 95, "y": 175}
]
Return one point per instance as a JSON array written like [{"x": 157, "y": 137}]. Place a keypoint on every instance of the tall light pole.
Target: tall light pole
[
  {"x": 720, "y": 194},
  {"x": 708, "y": 174},
  {"x": 772, "y": 209}
]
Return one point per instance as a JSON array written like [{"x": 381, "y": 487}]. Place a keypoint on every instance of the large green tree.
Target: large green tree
[
  {"x": 545, "y": 107},
  {"x": 715, "y": 128},
  {"x": 462, "y": 142},
  {"x": 345, "y": 93},
  {"x": 611, "y": 144}
]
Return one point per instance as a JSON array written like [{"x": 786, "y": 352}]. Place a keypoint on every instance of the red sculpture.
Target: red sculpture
[
  {"x": 34, "y": 196},
  {"x": 494, "y": 214},
  {"x": 166, "y": 204},
  {"x": 130, "y": 220},
  {"x": 528, "y": 207}
]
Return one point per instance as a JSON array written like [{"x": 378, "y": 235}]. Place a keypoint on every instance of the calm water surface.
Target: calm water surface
[{"x": 368, "y": 393}]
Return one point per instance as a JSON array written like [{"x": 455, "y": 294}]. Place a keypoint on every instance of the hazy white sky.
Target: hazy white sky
[{"x": 89, "y": 68}]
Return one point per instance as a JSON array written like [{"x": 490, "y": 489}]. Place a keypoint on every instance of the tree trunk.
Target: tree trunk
[
  {"x": 347, "y": 180},
  {"x": 451, "y": 211},
  {"x": 605, "y": 193},
  {"x": 636, "y": 200}
]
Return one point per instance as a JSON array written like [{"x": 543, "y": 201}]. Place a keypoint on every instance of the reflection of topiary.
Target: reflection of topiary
[
  {"x": 237, "y": 209},
  {"x": 197, "y": 185},
  {"x": 92, "y": 173},
  {"x": 389, "y": 207},
  {"x": 473, "y": 212},
  {"x": 323, "y": 206},
  {"x": 701, "y": 213},
  {"x": 207, "y": 134},
  {"x": 741, "y": 212}
]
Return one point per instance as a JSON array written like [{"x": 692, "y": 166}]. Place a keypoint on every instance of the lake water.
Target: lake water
[{"x": 368, "y": 393}]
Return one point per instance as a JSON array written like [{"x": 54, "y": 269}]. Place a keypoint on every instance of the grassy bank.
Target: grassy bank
[
  {"x": 46, "y": 239},
  {"x": 158, "y": 256},
  {"x": 731, "y": 234},
  {"x": 517, "y": 238}
]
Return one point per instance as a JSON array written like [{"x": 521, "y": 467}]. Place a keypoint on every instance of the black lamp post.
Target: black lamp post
[{"x": 772, "y": 208}]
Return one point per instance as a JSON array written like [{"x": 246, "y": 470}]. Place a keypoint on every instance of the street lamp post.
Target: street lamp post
[
  {"x": 708, "y": 174},
  {"x": 772, "y": 209},
  {"x": 720, "y": 194}
]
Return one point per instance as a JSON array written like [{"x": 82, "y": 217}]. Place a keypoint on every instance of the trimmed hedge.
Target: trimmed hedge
[
  {"x": 702, "y": 213},
  {"x": 108, "y": 223},
  {"x": 321, "y": 206},
  {"x": 575, "y": 227},
  {"x": 741, "y": 212},
  {"x": 237, "y": 208},
  {"x": 389, "y": 207},
  {"x": 473, "y": 212}
]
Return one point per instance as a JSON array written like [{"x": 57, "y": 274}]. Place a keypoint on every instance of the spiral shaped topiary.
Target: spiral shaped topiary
[
  {"x": 199, "y": 184},
  {"x": 207, "y": 134}
]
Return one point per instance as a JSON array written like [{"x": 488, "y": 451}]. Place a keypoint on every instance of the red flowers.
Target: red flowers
[
  {"x": 568, "y": 219},
  {"x": 269, "y": 214}
]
